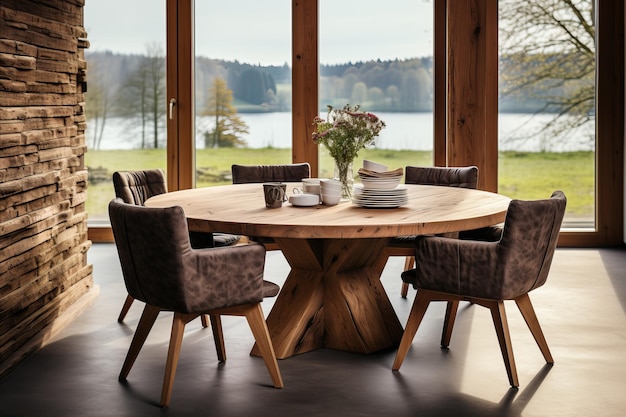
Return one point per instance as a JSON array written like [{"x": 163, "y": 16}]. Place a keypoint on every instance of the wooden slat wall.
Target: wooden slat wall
[{"x": 43, "y": 180}]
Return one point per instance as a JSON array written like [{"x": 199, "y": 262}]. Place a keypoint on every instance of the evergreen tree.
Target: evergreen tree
[{"x": 228, "y": 126}]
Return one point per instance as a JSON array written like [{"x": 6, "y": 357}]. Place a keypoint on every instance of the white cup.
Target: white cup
[
  {"x": 311, "y": 186},
  {"x": 311, "y": 181},
  {"x": 312, "y": 189}
]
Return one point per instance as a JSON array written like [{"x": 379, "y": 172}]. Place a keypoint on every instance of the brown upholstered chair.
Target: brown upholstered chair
[
  {"x": 161, "y": 269},
  {"x": 247, "y": 174},
  {"x": 464, "y": 177},
  {"x": 487, "y": 273},
  {"x": 135, "y": 187}
]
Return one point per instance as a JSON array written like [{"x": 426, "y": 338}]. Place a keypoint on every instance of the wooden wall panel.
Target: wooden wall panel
[{"x": 43, "y": 180}]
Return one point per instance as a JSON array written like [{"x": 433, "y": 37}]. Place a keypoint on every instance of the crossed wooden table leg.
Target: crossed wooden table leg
[{"x": 333, "y": 298}]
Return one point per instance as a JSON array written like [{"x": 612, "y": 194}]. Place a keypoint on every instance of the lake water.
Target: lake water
[{"x": 410, "y": 131}]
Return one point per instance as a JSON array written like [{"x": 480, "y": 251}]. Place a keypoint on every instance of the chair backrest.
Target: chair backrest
[
  {"x": 243, "y": 174},
  {"x": 135, "y": 187},
  {"x": 161, "y": 268},
  {"x": 464, "y": 177},
  {"x": 529, "y": 239},
  {"x": 150, "y": 243}
]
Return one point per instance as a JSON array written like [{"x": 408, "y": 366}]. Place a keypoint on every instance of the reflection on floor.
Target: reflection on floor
[{"x": 581, "y": 308}]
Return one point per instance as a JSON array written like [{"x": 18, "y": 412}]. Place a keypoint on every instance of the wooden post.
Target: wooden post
[
  {"x": 305, "y": 74},
  {"x": 473, "y": 87}
]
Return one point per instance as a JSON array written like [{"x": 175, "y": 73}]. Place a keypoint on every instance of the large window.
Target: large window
[
  {"x": 547, "y": 121},
  {"x": 125, "y": 108},
  {"x": 243, "y": 86},
  {"x": 463, "y": 93},
  {"x": 380, "y": 58}
]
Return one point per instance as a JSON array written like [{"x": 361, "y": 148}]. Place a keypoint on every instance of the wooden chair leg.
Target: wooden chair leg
[
  {"x": 422, "y": 300},
  {"x": 528, "y": 312},
  {"x": 218, "y": 336},
  {"x": 173, "y": 353},
  {"x": 148, "y": 317},
  {"x": 261, "y": 334},
  {"x": 498, "y": 315},
  {"x": 127, "y": 303},
  {"x": 448, "y": 323},
  {"x": 204, "y": 320},
  {"x": 404, "y": 291},
  {"x": 409, "y": 263}
]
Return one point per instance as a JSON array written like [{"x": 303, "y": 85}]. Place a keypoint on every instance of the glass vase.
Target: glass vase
[{"x": 343, "y": 173}]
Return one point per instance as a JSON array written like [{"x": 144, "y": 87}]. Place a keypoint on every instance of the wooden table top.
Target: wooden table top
[{"x": 240, "y": 209}]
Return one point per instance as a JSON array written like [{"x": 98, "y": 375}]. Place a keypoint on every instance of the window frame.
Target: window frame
[{"x": 448, "y": 148}]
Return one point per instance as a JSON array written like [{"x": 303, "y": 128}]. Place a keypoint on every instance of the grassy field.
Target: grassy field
[{"x": 521, "y": 175}]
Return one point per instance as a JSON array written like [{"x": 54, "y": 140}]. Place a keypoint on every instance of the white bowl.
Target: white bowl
[
  {"x": 378, "y": 184},
  {"x": 304, "y": 200},
  {"x": 328, "y": 184},
  {"x": 374, "y": 166},
  {"x": 331, "y": 191},
  {"x": 331, "y": 199}
]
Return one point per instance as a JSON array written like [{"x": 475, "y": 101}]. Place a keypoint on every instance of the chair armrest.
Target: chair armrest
[
  {"x": 224, "y": 277},
  {"x": 486, "y": 234},
  {"x": 453, "y": 265}
]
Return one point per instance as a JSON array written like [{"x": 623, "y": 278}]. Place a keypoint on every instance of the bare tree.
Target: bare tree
[
  {"x": 99, "y": 103},
  {"x": 142, "y": 96},
  {"x": 548, "y": 53}
]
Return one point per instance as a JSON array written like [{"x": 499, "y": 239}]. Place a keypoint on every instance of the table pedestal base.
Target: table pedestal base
[{"x": 333, "y": 298}]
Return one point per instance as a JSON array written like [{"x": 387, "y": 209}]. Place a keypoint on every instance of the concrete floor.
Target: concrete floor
[{"x": 581, "y": 308}]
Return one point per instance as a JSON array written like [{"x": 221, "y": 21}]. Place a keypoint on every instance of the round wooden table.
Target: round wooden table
[{"x": 333, "y": 297}]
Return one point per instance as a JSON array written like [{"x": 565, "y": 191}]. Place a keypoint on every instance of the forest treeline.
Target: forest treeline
[
  {"x": 394, "y": 86},
  {"x": 133, "y": 87}
]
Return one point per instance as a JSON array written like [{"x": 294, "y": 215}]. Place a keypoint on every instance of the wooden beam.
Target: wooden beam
[
  {"x": 440, "y": 84},
  {"x": 305, "y": 76},
  {"x": 610, "y": 122},
  {"x": 472, "y": 87},
  {"x": 180, "y": 88}
]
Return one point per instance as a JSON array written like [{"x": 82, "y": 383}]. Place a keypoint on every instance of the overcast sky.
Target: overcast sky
[{"x": 259, "y": 32}]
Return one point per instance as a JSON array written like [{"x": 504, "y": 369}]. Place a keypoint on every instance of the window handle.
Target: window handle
[{"x": 172, "y": 104}]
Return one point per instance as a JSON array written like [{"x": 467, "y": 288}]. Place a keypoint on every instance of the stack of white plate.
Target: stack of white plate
[
  {"x": 379, "y": 189},
  {"x": 379, "y": 198},
  {"x": 380, "y": 183}
]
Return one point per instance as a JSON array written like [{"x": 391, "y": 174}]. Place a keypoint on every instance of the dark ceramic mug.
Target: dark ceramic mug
[{"x": 275, "y": 194}]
